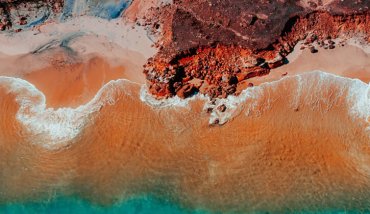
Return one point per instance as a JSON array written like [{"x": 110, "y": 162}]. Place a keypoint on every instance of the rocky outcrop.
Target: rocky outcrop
[
  {"x": 219, "y": 44},
  {"x": 15, "y": 14}
]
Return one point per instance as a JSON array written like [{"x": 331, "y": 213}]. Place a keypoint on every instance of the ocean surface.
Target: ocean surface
[
  {"x": 140, "y": 205},
  {"x": 300, "y": 144}
]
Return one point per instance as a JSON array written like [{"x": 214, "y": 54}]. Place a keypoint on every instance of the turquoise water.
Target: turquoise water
[{"x": 142, "y": 205}]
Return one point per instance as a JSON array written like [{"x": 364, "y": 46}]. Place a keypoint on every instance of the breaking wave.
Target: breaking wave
[
  {"x": 317, "y": 90},
  {"x": 300, "y": 143},
  {"x": 56, "y": 127}
]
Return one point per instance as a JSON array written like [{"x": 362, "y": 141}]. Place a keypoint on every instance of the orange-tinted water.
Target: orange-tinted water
[{"x": 300, "y": 143}]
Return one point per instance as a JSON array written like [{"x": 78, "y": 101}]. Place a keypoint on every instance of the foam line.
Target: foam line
[
  {"x": 171, "y": 102},
  {"x": 55, "y": 128},
  {"x": 317, "y": 83}
]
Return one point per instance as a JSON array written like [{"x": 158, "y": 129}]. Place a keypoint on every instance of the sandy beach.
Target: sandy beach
[
  {"x": 160, "y": 106},
  {"x": 346, "y": 61},
  {"x": 298, "y": 140}
]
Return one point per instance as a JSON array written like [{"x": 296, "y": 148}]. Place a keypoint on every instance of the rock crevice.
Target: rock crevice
[{"x": 199, "y": 52}]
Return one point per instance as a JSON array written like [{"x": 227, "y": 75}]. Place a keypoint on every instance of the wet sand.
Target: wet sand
[
  {"x": 70, "y": 84},
  {"x": 300, "y": 143},
  {"x": 67, "y": 82},
  {"x": 76, "y": 84},
  {"x": 347, "y": 61}
]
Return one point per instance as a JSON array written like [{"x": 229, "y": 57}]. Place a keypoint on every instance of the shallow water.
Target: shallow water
[
  {"x": 297, "y": 145},
  {"x": 139, "y": 205},
  {"x": 142, "y": 205},
  {"x": 300, "y": 144}
]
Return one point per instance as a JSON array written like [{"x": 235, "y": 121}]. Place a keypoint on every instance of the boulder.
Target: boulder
[
  {"x": 222, "y": 108},
  {"x": 186, "y": 91}
]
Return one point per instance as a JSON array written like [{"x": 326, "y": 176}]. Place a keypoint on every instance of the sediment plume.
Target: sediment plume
[
  {"x": 315, "y": 159},
  {"x": 77, "y": 119}
]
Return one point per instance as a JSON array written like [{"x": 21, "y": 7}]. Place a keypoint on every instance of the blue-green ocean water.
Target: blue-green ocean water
[{"x": 140, "y": 205}]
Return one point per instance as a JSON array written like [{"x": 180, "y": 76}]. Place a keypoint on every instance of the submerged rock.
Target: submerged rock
[{"x": 222, "y": 108}]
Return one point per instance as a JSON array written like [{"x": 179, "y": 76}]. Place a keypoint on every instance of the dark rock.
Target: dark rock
[
  {"x": 177, "y": 86},
  {"x": 213, "y": 101},
  {"x": 199, "y": 40},
  {"x": 222, "y": 108},
  {"x": 186, "y": 91},
  {"x": 233, "y": 80},
  {"x": 260, "y": 61},
  {"x": 313, "y": 50},
  {"x": 23, "y": 21},
  {"x": 231, "y": 89},
  {"x": 216, "y": 122}
]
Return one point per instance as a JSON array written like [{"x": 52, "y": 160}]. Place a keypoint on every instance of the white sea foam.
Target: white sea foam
[
  {"x": 54, "y": 128},
  {"x": 319, "y": 90},
  {"x": 171, "y": 102}
]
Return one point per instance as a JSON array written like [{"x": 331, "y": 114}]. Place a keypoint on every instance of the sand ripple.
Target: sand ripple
[{"x": 300, "y": 143}]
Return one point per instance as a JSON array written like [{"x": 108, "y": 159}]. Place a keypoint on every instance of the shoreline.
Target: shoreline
[
  {"x": 347, "y": 61},
  {"x": 76, "y": 75},
  {"x": 82, "y": 130},
  {"x": 69, "y": 67},
  {"x": 35, "y": 115},
  {"x": 70, "y": 83},
  {"x": 81, "y": 48},
  {"x": 75, "y": 70},
  {"x": 86, "y": 74},
  {"x": 117, "y": 139}
]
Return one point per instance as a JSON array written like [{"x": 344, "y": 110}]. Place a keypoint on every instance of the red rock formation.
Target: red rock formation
[
  {"x": 221, "y": 43},
  {"x": 17, "y": 12}
]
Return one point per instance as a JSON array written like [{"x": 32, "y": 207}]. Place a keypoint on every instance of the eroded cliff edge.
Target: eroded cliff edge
[{"x": 213, "y": 46}]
